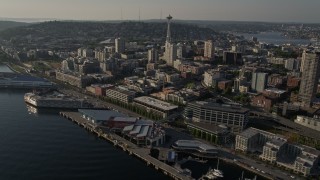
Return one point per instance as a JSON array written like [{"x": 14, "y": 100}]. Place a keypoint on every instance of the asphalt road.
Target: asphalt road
[{"x": 97, "y": 103}]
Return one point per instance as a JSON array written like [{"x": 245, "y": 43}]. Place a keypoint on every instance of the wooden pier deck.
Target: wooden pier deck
[{"x": 132, "y": 149}]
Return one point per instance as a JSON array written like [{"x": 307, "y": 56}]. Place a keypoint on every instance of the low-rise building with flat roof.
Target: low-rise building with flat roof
[
  {"x": 156, "y": 106},
  {"x": 121, "y": 94},
  {"x": 98, "y": 117},
  {"x": 234, "y": 117},
  {"x": 218, "y": 134}
]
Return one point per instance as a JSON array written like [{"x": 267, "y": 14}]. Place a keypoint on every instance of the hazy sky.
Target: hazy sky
[{"x": 240, "y": 10}]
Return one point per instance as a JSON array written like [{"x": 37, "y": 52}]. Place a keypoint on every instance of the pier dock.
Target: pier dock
[{"x": 132, "y": 149}]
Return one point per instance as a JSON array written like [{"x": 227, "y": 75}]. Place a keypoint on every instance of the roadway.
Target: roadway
[
  {"x": 98, "y": 103},
  {"x": 297, "y": 128}
]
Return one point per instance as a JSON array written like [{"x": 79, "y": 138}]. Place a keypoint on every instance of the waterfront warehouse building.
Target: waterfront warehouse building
[
  {"x": 234, "y": 117},
  {"x": 98, "y": 117},
  {"x": 145, "y": 132},
  {"x": 112, "y": 120},
  {"x": 156, "y": 106},
  {"x": 117, "y": 124}
]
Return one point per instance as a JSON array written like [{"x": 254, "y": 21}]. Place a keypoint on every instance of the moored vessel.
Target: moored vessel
[{"x": 54, "y": 100}]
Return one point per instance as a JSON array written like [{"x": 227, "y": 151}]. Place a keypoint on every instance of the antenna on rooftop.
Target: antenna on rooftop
[
  {"x": 161, "y": 14},
  {"x": 121, "y": 15},
  {"x": 139, "y": 14}
]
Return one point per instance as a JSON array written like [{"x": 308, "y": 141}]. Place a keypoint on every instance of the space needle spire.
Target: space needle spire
[{"x": 168, "y": 39}]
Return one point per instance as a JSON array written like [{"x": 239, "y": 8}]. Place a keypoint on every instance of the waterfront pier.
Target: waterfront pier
[{"x": 132, "y": 149}]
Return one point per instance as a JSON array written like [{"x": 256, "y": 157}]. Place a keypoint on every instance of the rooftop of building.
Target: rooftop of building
[
  {"x": 221, "y": 107},
  {"x": 155, "y": 103},
  {"x": 275, "y": 90},
  {"x": 277, "y": 142},
  {"x": 305, "y": 160},
  {"x": 315, "y": 118},
  {"x": 102, "y": 85},
  {"x": 74, "y": 74},
  {"x": 310, "y": 150},
  {"x": 209, "y": 127},
  {"x": 144, "y": 129},
  {"x": 123, "y": 90},
  {"x": 100, "y": 75},
  {"x": 194, "y": 144},
  {"x": 101, "y": 114},
  {"x": 124, "y": 119},
  {"x": 249, "y": 132}
]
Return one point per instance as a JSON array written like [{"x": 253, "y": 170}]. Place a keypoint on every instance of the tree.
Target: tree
[
  {"x": 228, "y": 91},
  {"x": 191, "y": 85}
]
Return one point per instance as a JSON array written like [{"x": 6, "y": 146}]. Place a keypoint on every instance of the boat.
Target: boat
[
  {"x": 217, "y": 172},
  {"x": 54, "y": 100},
  {"x": 209, "y": 175}
]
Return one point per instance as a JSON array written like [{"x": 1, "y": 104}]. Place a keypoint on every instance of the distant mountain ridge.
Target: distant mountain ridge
[
  {"x": 96, "y": 30},
  {"x": 73, "y": 34}
]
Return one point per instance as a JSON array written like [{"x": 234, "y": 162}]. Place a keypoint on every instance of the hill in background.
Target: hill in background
[
  {"x": 11, "y": 24},
  {"x": 72, "y": 34}
]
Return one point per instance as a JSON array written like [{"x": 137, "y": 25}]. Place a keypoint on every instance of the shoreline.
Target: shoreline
[
  {"x": 141, "y": 153},
  {"x": 127, "y": 146},
  {"x": 240, "y": 165},
  {"x": 10, "y": 67}
]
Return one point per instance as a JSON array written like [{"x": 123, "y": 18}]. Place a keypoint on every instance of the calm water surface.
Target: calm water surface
[{"x": 47, "y": 146}]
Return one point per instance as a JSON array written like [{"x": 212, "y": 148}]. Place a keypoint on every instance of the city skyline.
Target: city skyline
[{"x": 221, "y": 10}]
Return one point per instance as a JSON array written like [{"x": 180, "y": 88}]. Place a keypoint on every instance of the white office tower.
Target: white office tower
[
  {"x": 310, "y": 68},
  {"x": 209, "y": 49},
  {"x": 120, "y": 45}
]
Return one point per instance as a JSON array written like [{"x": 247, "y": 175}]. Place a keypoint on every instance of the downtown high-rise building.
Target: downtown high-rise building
[
  {"x": 170, "y": 54},
  {"x": 310, "y": 67},
  {"x": 120, "y": 45},
  {"x": 153, "y": 55},
  {"x": 259, "y": 81},
  {"x": 209, "y": 49}
]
